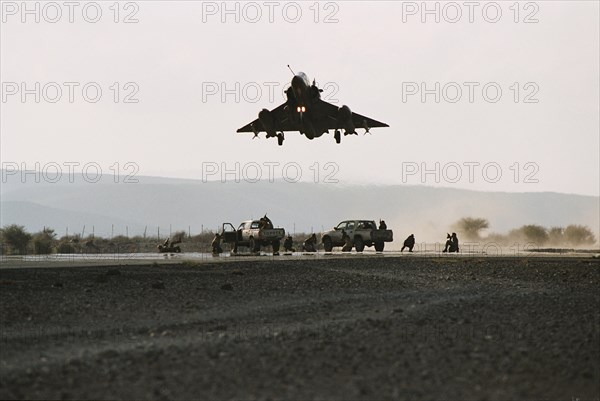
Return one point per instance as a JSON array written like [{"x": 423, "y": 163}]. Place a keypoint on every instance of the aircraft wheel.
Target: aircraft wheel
[
  {"x": 338, "y": 137},
  {"x": 280, "y": 139}
]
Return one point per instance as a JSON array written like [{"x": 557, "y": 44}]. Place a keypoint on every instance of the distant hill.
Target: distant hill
[{"x": 178, "y": 203}]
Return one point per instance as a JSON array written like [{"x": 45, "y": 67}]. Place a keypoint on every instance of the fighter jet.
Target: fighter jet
[{"x": 304, "y": 111}]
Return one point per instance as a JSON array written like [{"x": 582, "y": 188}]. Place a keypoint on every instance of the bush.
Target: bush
[
  {"x": 16, "y": 238},
  {"x": 531, "y": 233},
  {"x": 65, "y": 246},
  {"x": 471, "y": 227},
  {"x": 556, "y": 236},
  {"x": 43, "y": 241},
  {"x": 579, "y": 235}
]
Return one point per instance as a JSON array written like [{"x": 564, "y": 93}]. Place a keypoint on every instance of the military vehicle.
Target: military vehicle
[
  {"x": 253, "y": 234},
  {"x": 362, "y": 232}
]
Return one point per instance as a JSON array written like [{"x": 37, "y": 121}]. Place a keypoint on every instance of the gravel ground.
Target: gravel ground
[{"x": 365, "y": 328}]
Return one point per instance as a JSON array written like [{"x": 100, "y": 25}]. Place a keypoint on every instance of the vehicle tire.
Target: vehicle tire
[
  {"x": 337, "y": 136},
  {"x": 359, "y": 244},
  {"x": 276, "y": 246},
  {"x": 253, "y": 245},
  {"x": 379, "y": 246},
  {"x": 327, "y": 244}
]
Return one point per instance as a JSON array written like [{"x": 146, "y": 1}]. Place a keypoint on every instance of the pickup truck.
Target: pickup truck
[
  {"x": 253, "y": 234},
  {"x": 362, "y": 232}
]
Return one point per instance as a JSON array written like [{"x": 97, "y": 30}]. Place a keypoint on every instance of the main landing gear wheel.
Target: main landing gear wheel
[
  {"x": 337, "y": 136},
  {"x": 280, "y": 139}
]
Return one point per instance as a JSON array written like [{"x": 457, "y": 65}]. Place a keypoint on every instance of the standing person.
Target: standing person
[
  {"x": 347, "y": 242},
  {"x": 382, "y": 225},
  {"x": 409, "y": 243},
  {"x": 265, "y": 222},
  {"x": 216, "y": 244}
]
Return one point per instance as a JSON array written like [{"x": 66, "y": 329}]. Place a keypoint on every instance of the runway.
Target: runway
[{"x": 303, "y": 327}]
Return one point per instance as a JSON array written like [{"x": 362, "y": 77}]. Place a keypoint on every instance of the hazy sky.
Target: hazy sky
[{"x": 541, "y": 133}]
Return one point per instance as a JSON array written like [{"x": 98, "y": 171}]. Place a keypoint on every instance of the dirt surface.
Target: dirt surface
[{"x": 364, "y": 328}]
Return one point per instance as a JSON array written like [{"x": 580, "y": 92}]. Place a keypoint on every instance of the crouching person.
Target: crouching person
[
  {"x": 288, "y": 244},
  {"x": 310, "y": 244}
]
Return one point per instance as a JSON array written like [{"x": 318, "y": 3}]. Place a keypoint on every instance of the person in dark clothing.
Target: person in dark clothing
[
  {"x": 310, "y": 244},
  {"x": 266, "y": 222},
  {"x": 409, "y": 243},
  {"x": 451, "y": 243},
  {"x": 176, "y": 240},
  {"x": 216, "y": 244},
  {"x": 382, "y": 225},
  {"x": 347, "y": 242},
  {"x": 288, "y": 244}
]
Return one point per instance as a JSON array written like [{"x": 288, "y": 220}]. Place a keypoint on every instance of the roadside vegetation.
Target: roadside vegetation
[
  {"x": 16, "y": 240},
  {"x": 573, "y": 235}
]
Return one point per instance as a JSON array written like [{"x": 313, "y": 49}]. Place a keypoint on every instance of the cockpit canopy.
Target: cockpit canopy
[{"x": 303, "y": 77}]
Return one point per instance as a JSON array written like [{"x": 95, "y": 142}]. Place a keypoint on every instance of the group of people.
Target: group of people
[
  {"x": 451, "y": 243},
  {"x": 168, "y": 245},
  {"x": 310, "y": 244}
]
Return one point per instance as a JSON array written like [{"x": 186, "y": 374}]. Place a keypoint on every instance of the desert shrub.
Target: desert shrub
[
  {"x": 471, "y": 227},
  {"x": 65, "y": 246},
  {"x": 16, "y": 237},
  {"x": 556, "y": 235},
  {"x": 530, "y": 233},
  {"x": 579, "y": 235},
  {"x": 495, "y": 238},
  {"x": 43, "y": 242}
]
